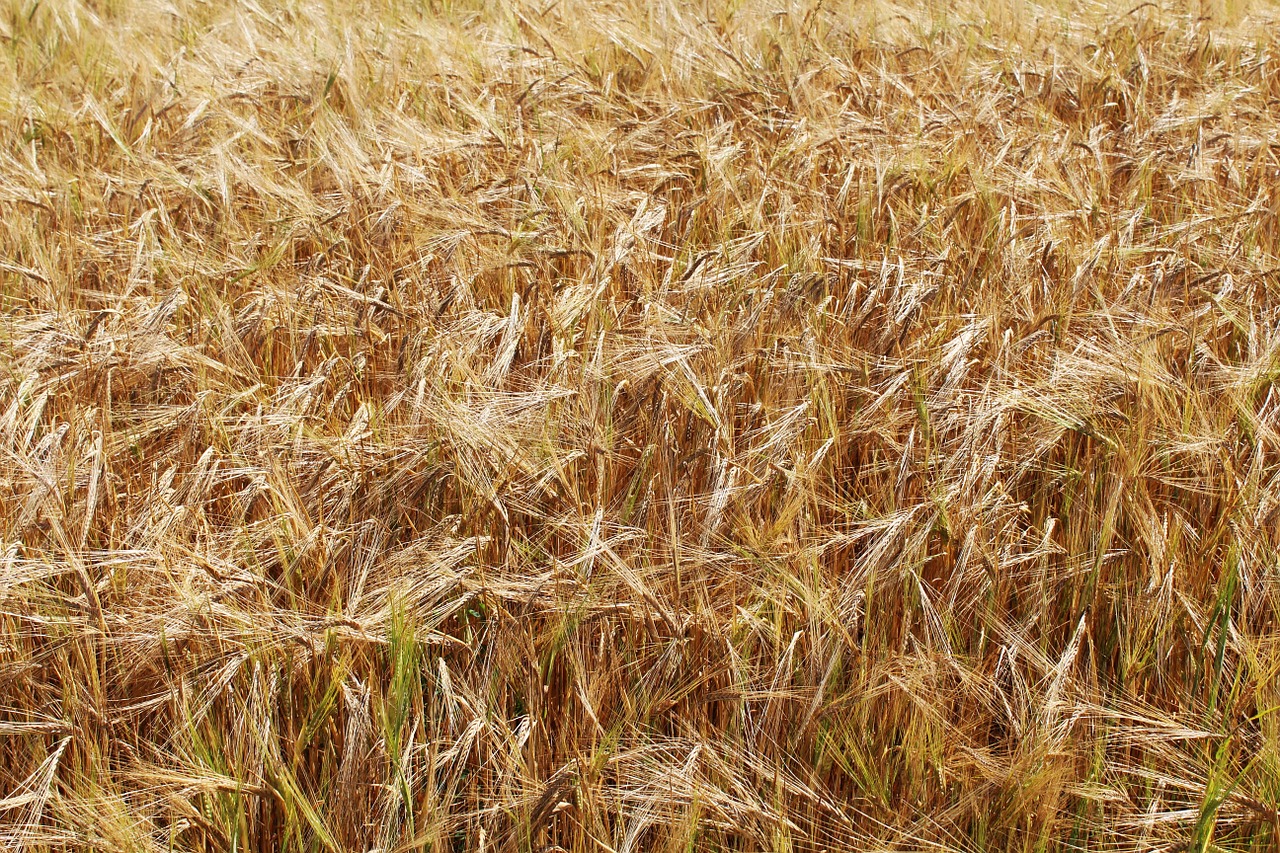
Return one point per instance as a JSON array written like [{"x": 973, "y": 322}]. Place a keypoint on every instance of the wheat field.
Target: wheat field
[{"x": 639, "y": 425}]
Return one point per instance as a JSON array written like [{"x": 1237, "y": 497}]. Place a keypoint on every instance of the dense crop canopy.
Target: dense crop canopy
[{"x": 639, "y": 425}]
